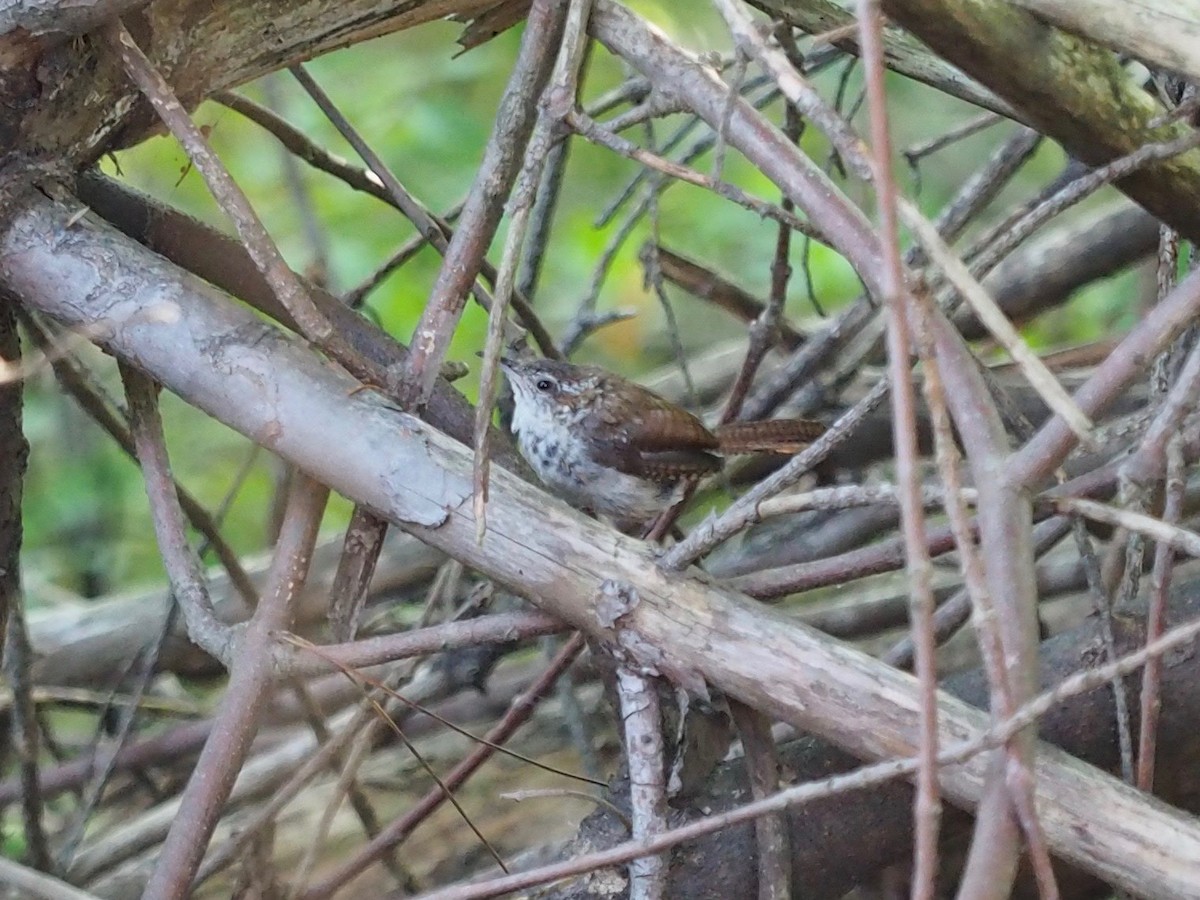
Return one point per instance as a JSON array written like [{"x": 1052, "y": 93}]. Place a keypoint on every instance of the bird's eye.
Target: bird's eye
[{"x": 544, "y": 384}]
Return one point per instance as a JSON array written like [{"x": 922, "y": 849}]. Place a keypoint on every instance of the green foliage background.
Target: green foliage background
[{"x": 429, "y": 114}]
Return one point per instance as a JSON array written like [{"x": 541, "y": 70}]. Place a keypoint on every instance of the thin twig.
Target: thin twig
[
  {"x": 559, "y": 97},
  {"x": 363, "y": 738},
  {"x": 1174, "y": 536},
  {"x": 518, "y": 712},
  {"x": 1046, "y": 450},
  {"x": 356, "y": 565},
  {"x": 303, "y": 147},
  {"x": 767, "y": 330},
  {"x": 317, "y": 269},
  {"x": 652, "y": 279},
  {"x": 183, "y": 566},
  {"x": 358, "y": 731},
  {"x": 993, "y": 245},
  {"x": 484, "y": 206},
  {"x": 435, "y": 231},
  {"x": 771, "y": 832},
  {"x": 952, "y": 614},
  {"x": 103, "y": 768},
  {"x": 797, "y": 89},
  {"x": 384, "y": 688},
  {"x": 972, "y": 126},
  {"x": 496, "y": 628},
  {"x": 740, "y": 61},
  {"x": 1160, "y": 582},
  {"x": 653, "y": 182},
  {"x": 1102, "y": 607},
  {"x": 446, "y": 791},
  {"x": 927, "y": 809},
  {"x": 357, "y": 295},
  {"x": 541, "y": 217},
  {"x": 658, "y": 106},
  {"x": 537, "y": 793},
  {"x": 986, "y": 310},
  {"x": 24, "y": 732},
  {"x": 601, "y": 136},
  {"x": 349, "y": 785},
  {"x": 289, "y": 290},
  {"x": 705, "y": 284},
  {"x": 849, "y": 496}
]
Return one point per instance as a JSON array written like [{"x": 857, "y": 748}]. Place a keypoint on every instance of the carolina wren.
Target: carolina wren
[{"x": 611, "y": 446}]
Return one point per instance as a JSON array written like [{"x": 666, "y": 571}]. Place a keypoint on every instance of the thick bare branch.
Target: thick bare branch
[
  {"x": 204, "y": 48},
  {"x": 1163, "y": 32}
]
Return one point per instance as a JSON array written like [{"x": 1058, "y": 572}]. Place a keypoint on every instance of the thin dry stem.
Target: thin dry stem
[
  {"x": 481, "y": 212},
  {"x": 559, "y": 96},
  {"x": 1160, "y": 582},
  {"x": 997, "y": 323},
  {"x": 927, "y": 809},
  {"x": 287, "y": 287}
]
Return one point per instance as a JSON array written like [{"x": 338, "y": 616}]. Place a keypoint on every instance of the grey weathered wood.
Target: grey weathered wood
[
  {"x": 1163, "y": 32},
  {"x": 58, "y": 19},
  {"x": 200, "y": 46},
  {"x": 86, "y": 643}
]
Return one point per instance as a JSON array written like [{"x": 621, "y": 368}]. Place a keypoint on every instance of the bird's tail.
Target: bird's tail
[{"x": 768, "y": 436}]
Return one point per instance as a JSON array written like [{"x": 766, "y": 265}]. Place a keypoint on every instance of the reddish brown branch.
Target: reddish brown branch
[
  {"x": 901, "y": 308},
  {"x": 708, "y": 285},
  {"x": 360, "y": 552}
]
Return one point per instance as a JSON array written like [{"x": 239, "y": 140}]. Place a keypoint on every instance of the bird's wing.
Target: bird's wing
[{"x": 649, "y": 437}]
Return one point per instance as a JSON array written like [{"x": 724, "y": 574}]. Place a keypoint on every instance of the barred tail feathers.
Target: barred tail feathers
[{"x": 768, "y": 436}]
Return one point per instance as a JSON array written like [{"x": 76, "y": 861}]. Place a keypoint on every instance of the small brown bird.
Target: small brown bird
[{"x": 611, "y": 446}]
